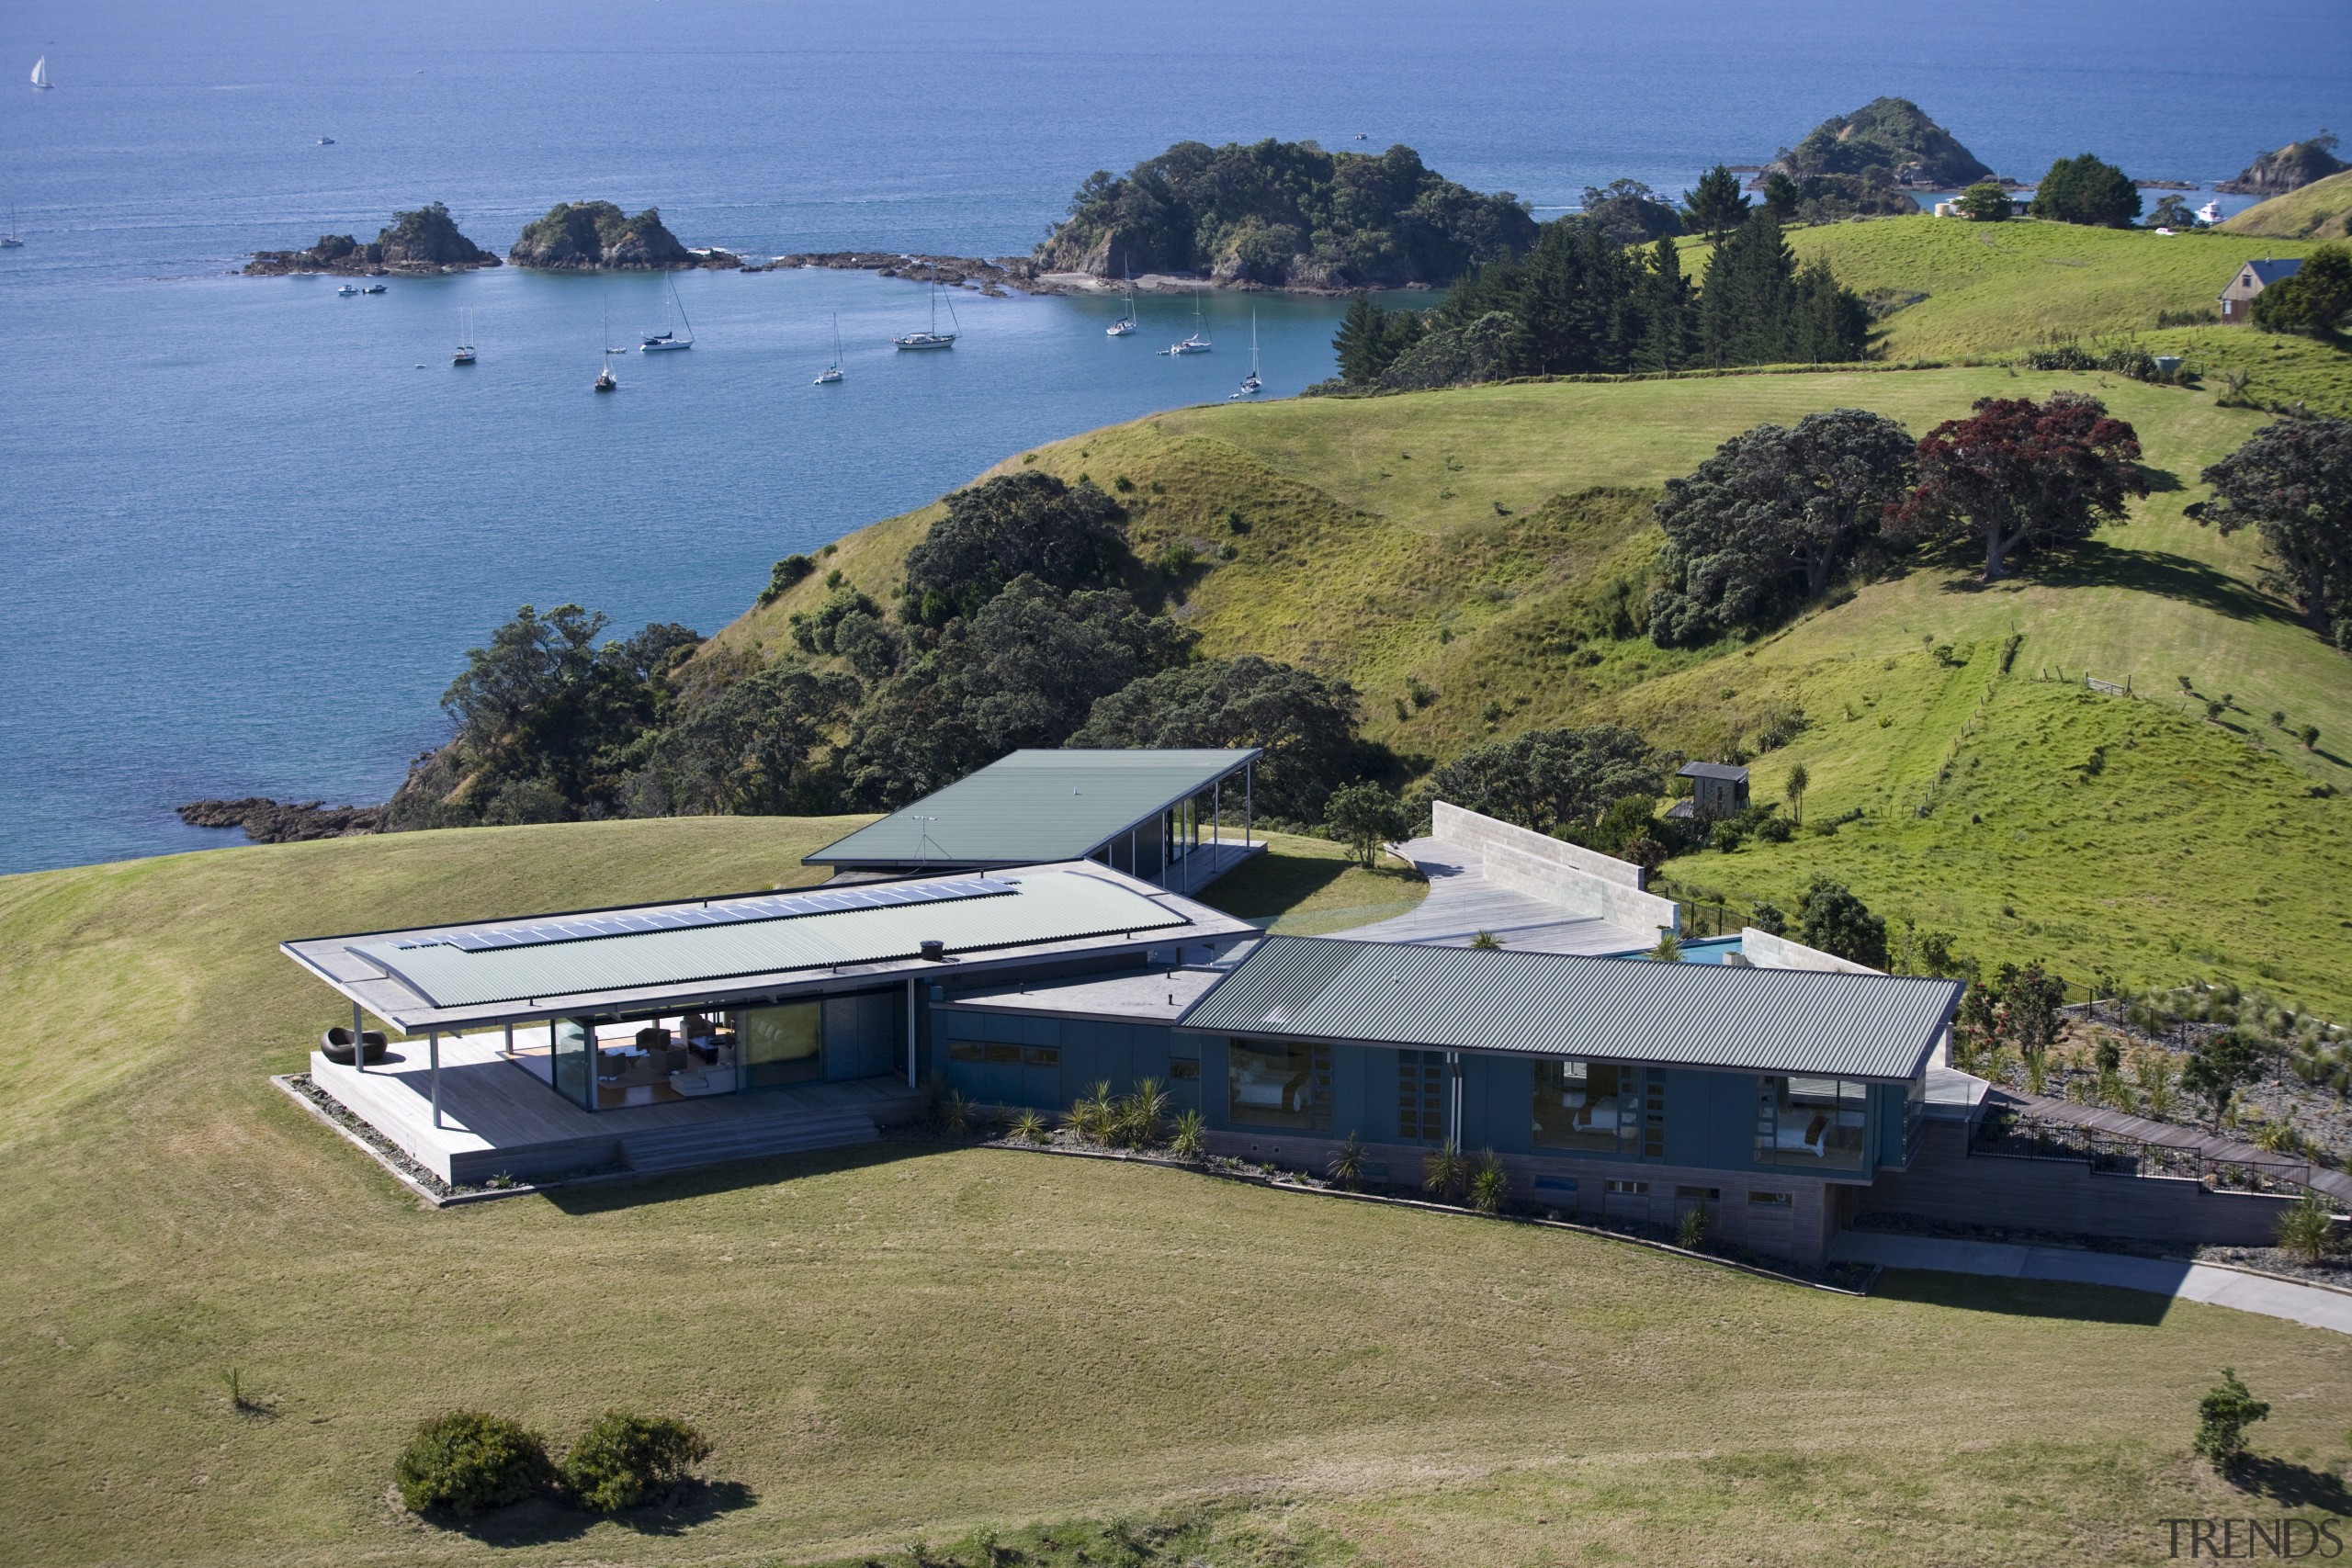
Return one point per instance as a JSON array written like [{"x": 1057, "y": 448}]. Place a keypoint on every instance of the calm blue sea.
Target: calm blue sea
[{"x": 245, "y": 539}]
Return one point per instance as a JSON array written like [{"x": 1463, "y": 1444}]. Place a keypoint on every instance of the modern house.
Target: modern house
[
  {"x": 1156, "y": 815},
  {"x": 1716, "y": 790},
  {"x": 2237, "y": 299}
]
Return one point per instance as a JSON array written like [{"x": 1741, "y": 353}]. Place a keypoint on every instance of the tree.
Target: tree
[
  {"x": 1765, "y": 524},
  {"x": 2085, "y": 191},
  {"x": 1366, "y": 817},
  {"x": 1714, "y": 207},
  {"x": 1794, "y": 789},
  {"x": 1629, "y": 213},
  {"x": 1756, "y": 307},
  {"x": 1547, "y": 777},
  {"x": 2029, "y": 999},
  {"x": 1028, "y": 522},
  {"x": 1780, "y": 198},
  {"x": 2218, "y": 1067},
  {"x": 1983, "y": 203},
  {"x": 2292, "y": 483},
  {"x": 1305, "y": 724},
  {"x": 1370, "y": 340},
  {"x": 2228, "y": 1408},
  {"x": 2316, "y": 298},
  {"x": 1831, "y": 919},
  {"x": 754, "y": 747},
  {"x": 2021, "y": 474},
  {"x": 2172, "y": 213}
]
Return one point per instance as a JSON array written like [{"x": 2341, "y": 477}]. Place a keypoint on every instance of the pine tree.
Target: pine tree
[
  {"x": 1663, "y": 313},
  {"x": 1359, "y": 340},
  {"x": 1715, "y": 207}
]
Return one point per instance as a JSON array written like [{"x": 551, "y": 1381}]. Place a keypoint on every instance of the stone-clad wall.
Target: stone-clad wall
[{"x": 1582, "y": 882}]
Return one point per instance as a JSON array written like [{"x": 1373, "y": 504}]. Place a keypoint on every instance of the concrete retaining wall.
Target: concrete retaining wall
[
  {"x": 1948, "y": 1184},
  {"x": 1769, "y": 952},
  {"x": 1583, "y": 881}
]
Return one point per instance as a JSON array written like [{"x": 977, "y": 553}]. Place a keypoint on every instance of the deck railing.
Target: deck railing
[{"x": 2120, "y": 1155}]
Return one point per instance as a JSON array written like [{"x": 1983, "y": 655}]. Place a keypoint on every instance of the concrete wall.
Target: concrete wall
[
  {"x": 1950, "y": 1184},
  {"x": 1583, "y": 881},
  {"x": 1769, "y": 952}
]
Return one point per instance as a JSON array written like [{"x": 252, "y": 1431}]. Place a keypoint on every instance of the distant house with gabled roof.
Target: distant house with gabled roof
[{"x": 2237, "y": 299}]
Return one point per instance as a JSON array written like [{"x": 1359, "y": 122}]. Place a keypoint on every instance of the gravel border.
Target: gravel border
[{"x": 428, "y": 1186}]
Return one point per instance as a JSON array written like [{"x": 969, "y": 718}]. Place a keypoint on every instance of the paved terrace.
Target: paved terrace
[{"x": 1463, "y": 902}]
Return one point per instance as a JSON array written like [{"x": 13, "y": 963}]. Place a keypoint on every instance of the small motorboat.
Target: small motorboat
[
  {"x": 347, "y": 291},
  {"x": 605, "y": 380},
  {"x": 373, "y": 289},
  {"x": 326, "y": 140}
]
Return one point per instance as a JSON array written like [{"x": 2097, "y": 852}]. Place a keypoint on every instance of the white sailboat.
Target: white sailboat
[
  {"x": 465, "y": 353},
  {"x": 1250, "y": 385},
  {"x": 40, "y": 74},
  {"x": 934, "y": 338},
  {"x": 1126, "y": 323},
  {"x": 605, "y": 380},
  {"x": 669, "y": 337},
  {"x": 832, "y": 373},
  {"x": 1199, "y": 342}
]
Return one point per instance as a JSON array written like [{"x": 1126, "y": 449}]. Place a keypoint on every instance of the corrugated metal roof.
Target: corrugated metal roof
[
  {"x": 1047, "y": 906},
  {"x": 1033, "y": 807},
  {"x": 1770, "y": 1020},
  {"x": 1710, "y": 770}
]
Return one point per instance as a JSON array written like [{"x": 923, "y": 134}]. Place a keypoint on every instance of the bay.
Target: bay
[{"x": 244, "y": 541}]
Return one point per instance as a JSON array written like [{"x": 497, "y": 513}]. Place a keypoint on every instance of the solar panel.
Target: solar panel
[{"x": 725, "y": 912}]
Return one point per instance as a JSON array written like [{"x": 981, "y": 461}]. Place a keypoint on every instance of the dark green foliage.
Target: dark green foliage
[
  {"x": 425, "y": 237},
  {"x": 1628, "y": 829},
  {"x": 2085, "y": 191},
  {"x": 1763, "y": 526},
  {"x": 1546, "y": 778},
  {"x": 1714, "y": 207},
  {"x": 2292, "y": 167},
  {"x": 466, "y": 1461},
  {"x": 1365, "y": 817},
  {"x": 1769, "y": 917},
  {"x": 598, "y": 234},
  {"x": 2224, "y": 1412},
  {"x": 1893, "y": 136},
  {"x": 2316, "y": 298},
  {"x": 622, "y": 1458},
  {"x": 1757, "y": 307},
  {"x": 2021, "y": 474},
  {"x": 2172, "y": 213},
  {"x": 1306, "y": 724},
  {"x": 816, "y": 631},
  {"x": 1281, "y": 213},
  {"x": 1447, "y": 356},
  {"x": 1781, "y": 196},
  {"x": 1985, "y": 203},
  {"x": 1370, "y": 340},
  {"x": 1829, "y": 199},
  {"x": 2292, "y": 483},
  {"x": 754, "y": 746},
  {"x": 2026, "y": 1013},
  {"x": 1629, "y": 213},
  {"x": 786, "y": 572},
  {"x": 2218, "y": 1066},
  {"x": 1832, "y": 920},
  {"x": 1023, "y": 671},
  {"x": 1028, "y": 522}
]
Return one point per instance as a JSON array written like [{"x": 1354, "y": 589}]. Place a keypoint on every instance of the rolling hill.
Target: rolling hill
[{"x": 2320, "y": 210}]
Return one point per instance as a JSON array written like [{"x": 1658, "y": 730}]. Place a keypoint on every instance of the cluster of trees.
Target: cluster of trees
[
  {"x": 1768, "y": 525},
  {"x": 1581, "y": 301},
  {"x": 2316, "y": 298},
  {"x": 1018, "y": 627},
  {"x": 2086, "y": 191},
  {"x": 1285, "y": 212},
  {"x": 581, "y": 234},
  {"x": 2291, "y": 482}
]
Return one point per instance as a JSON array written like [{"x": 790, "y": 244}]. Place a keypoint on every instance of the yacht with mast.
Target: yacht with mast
[
  {"x": 934, "y": 338},
  {"x": 605, "y": 380},
  {"x": 1199, "y": 342},
  {"x": 465, "y": 353},
  {"x": 42, "y": 83},
  {"x": 1125, "y": 323},
  {"x": 1250, "y": 385},
  {"x": 832, "y": 373},
  {"x": 669, "y": 338},
  {"x": 11, "y": 240}
]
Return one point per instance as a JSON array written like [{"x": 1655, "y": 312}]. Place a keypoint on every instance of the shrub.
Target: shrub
[
  {"x": 2222, "y": 1416},
  {"x": 466, "y": 1461},
  {"x": 623, "y": 1457},
  {"x": 1090, "y": 1113},
  {"x": 1442, "y": 1170},
  {"x": 1489, "y": 1185},
  {"x": 786, "y": 572},
  {"x": 1137, "y": 1116},
  {"x": 2307, "y": 1230},
  {"x": 1347, "y": 1164},
  {"x": 1186, "y": 1142},
  {"x": 1029, "y": 1127},
  {"x": 1690, "y": 1230}
]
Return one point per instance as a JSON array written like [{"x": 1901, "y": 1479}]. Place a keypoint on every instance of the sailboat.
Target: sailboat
[
  {"x": 832, "y": 373},
  {"x": 934, "y": 338},
  {"x": 465, "y": 353},
  {"x": 40, "y": 74},
  {"x": 1250, "y": 385},
  {"x": 1199, "y": 342},
  {"x": 1125, "y": 323},
  {"x": 605, "y": 380},
  {"x": 11, "y": 240},
  {"x": 669, "y": 338}
]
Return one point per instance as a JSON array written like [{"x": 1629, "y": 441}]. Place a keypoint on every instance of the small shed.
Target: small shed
[
  {"x": 2237, "y": 299},
  {"x": 1716, "y": 790}
]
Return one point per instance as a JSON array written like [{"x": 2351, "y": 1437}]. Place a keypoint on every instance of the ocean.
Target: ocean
[{"x": 250, "y": 527}]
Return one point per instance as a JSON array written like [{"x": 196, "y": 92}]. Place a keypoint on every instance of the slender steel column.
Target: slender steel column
[
  {"x": 358, "y": 1048},
  {"x": 434, "y": 1073},
  {"x": 911, "y": 1032}
]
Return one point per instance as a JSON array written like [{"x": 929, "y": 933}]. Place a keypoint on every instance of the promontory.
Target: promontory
[{"x": 421, "y": 242}]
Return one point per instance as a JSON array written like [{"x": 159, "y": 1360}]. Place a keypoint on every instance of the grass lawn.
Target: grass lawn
[
  {"x": 1303, "y": 886},
  {"x": 911, "y": 1342},
  {"x": 2318, "y": 211}
]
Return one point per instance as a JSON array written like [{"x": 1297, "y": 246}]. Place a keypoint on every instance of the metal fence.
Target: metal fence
[{"x": 2118, "y": 1154}]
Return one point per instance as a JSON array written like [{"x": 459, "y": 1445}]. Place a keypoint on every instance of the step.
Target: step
[{"x": 684, "y": 1147}]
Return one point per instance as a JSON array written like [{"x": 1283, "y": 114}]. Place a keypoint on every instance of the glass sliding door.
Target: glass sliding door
[
  {"x": 572, "y": 1047},
  {"x": 781, "y": 1045}
]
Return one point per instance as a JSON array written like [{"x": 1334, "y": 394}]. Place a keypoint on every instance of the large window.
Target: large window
[
  {"x": 1599, "y": 1107},
  {"x": 780, "y": 1045},
  {"x": 1420, "y": 1096},
  {"x": 1811, "y": 1122},
  {"x": 1272, "y": 1083}
]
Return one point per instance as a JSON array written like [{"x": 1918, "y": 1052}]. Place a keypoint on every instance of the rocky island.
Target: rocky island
[
  {"x": 2292, "y": 167},
  {"x": 1866, "y": 163},
  {"x": 269, "y": 822},
  {"x": 422, "y": 242},
  {"x": 596, "y": 236}
]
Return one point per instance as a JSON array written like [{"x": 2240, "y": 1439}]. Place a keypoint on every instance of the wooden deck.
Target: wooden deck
[
  {"x": 2210, "y": 1148},
  {"x": 498, "y": 1117}
]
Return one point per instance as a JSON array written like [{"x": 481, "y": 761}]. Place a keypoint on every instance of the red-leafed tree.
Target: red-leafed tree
[{"x": 2021, "y": 474}]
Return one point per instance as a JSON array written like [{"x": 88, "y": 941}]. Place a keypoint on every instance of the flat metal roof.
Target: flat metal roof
[
  {"x": 1033, "y": 807},
  {"x": 1555, "y": 1004},
  {"x": 1148, "y": 995},
  {"x": 1710, "y": 770},
  {"x": 720, "y": 951}
]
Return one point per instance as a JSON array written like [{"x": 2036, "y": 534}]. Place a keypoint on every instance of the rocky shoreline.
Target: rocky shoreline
[{"x": 284, "y": 821}]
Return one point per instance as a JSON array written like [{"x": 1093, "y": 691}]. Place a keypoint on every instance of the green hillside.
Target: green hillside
[
  {"x": 906, "y": 1342},
  {"x": 2320, "y": 210},
  {"x": 1375, "y": 549}
]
